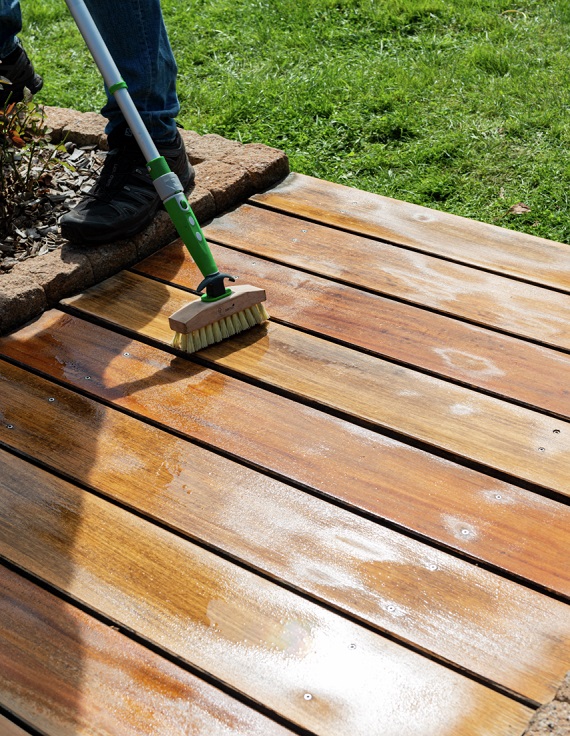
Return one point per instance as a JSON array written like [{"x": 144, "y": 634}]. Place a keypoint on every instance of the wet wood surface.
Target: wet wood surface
[
  {"x": 9, "y": 728},
  {"x": 508, "y": 438},
  {"x": 354, "y": 519},
  {"x": 249, "y": 633},
  {"x": 64, "y": 672},
  {"x": 237, "y": 510},
  {"x": 491, "y": 521},
  {"x": 466, "y": 353},
  {"x": 459, "y": 239}
]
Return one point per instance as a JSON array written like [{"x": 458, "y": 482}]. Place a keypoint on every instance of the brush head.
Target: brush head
[{"x": 200, "y": 323}]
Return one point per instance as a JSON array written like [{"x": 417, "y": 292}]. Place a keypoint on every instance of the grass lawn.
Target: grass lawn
[{"x": 461, "y": 105}]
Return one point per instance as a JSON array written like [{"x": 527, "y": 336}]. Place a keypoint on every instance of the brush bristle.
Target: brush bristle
[{"x": 221, "y": 330}]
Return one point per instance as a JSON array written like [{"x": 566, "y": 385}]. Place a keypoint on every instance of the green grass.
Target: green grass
[{"x": 461, "y": 105}]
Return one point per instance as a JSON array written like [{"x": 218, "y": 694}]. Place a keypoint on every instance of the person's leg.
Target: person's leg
[
  {"x": 14, "y": 63},
  {"x": 136, "y": 37},
  {"x": 124, "y": 199},
  {"x": 10, "y": 26}
]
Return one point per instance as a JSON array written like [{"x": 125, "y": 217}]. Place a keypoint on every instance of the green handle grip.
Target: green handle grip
[
  {"x": 191, "y": 233},
  {"x": 170, "y": 190}
]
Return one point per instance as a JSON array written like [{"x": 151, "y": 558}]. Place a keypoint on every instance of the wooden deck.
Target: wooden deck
[{"x": 351, "y": 521}]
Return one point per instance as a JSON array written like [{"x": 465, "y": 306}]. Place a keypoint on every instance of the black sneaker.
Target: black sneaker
[
  {"x": 123, "y": 201},
  {"x": 18, "y": 70}
]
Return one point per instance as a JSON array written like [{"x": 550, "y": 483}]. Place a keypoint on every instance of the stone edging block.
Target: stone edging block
[
  {"x": 21, "y": 299},
  {"x": 207, "y": 147},
  {"x": 264, "y": 165},
  {"x": 82, "y": 128},
  {"x": 227, "y": 183},
  {"x": 227, "y": 172},
  {"x": 553, "y": 719}
]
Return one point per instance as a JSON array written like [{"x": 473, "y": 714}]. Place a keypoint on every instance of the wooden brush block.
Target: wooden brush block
[{"x": 199, "y": 314}]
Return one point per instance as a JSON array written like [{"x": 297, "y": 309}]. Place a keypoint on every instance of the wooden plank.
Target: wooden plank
[
  {"x": 65, "y": 673},
  {"x": 313, "y": 667},
  {"x": 483, "y": 298},
  {"x": 512, "y": 439},
  {"x": 527, "y": 257},
  {"x": 368, "y": 571},
  {"x": 9, "y": 728},
  {"x": 502, "y": 365},
  {"x": 465, "y": 510}
]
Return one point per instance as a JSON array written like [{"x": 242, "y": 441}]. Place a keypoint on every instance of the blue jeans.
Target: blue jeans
[{"x": 138, "y": 42}]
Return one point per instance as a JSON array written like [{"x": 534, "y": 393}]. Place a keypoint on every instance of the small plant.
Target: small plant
[{"x": 26, "y": 159}]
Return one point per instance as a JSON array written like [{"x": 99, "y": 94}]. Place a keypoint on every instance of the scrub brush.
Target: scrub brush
[
  {"x": 203, "y": 322},
  {"x": 220, "y": 312}
]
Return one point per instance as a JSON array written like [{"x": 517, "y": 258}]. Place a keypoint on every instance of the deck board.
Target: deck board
[
  {"x": 462, "y": 240},
  {"x": 9, "y": 728},
  {"x": 64, "y": 672},
  {"x": 354, "y": 519}
]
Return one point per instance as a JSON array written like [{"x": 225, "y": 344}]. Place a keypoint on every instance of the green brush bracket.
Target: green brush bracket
[{"x": 172, "y": 194}]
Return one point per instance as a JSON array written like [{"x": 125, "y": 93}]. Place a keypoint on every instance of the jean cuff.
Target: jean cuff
[{"x": 7, "y": 49}]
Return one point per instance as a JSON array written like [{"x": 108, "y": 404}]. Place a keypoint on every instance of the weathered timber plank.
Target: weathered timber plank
[
  {"x": 65, "y": 673},
  {"x": 500, "y": 364},
  {"x": 389, "y": 479},
  {"x": 391, "y": 581},
  {"x": 9, "y": 728},
  {"x": 490, "y": 247},
  {"x": 313, "y": 667},
  {"x": 512, "y": 439},
  {"x": 484, "y": 298}
]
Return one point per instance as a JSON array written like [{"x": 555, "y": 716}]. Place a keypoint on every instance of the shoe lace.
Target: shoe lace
[{"x": 122, "y": 166}]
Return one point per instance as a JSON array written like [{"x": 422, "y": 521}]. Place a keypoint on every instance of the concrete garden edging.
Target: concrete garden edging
[
  {"x": 553, "y": 719},
  {"x": 227, "y": 172}
]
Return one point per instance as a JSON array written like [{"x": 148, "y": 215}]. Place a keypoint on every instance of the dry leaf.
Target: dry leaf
[
  {"x": 518, "y": 209},
  {"x": 16, "y": 139}
]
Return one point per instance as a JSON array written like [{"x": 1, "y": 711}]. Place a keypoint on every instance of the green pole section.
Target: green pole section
[
  {"x": 118, "y": 85},
  {"x": 191, "y": 233},
  {"x": 185, "y": 221}
]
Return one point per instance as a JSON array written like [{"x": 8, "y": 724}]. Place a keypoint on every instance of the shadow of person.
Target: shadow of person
[{"x": 62, "y": 452}]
